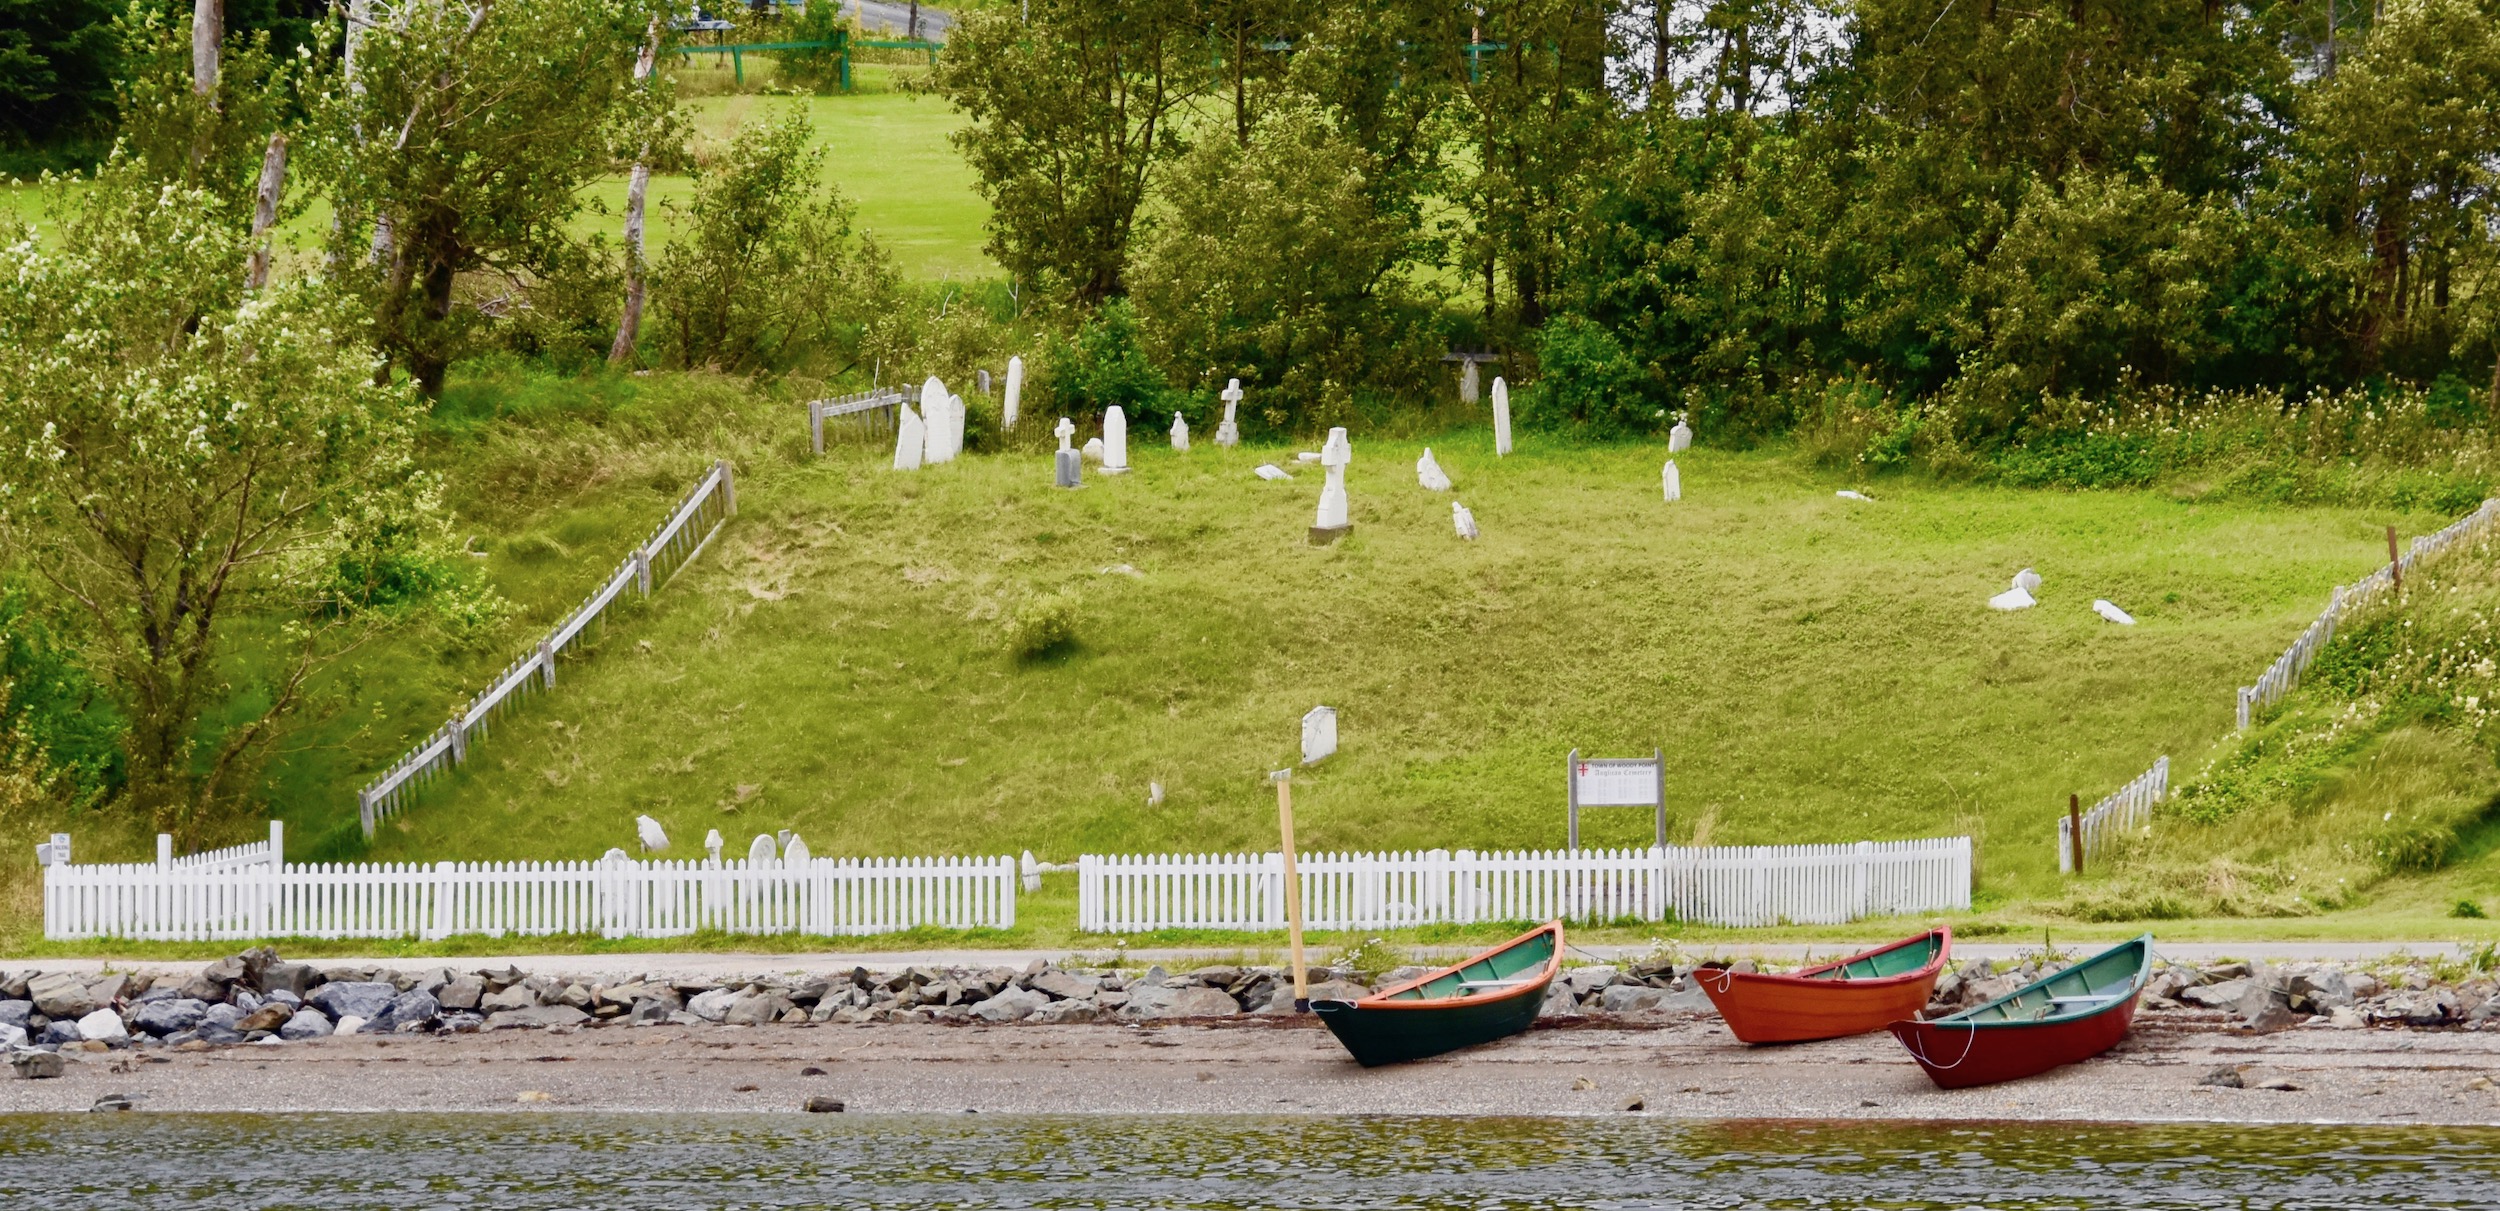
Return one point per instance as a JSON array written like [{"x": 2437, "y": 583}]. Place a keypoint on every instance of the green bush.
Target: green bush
[
  {"x": 819, "y": 70},
  {"x": 1105, "y": 364},
  {"x": 1042, "y": 623},
  {"x": 2467, "y": 910},
  {"x": 1586, "y": 384}
]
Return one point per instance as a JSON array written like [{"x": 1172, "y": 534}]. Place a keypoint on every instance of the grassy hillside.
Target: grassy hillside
[{"x": 1817, "y": 669}]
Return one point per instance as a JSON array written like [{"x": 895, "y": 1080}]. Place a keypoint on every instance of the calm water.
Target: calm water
[{"x": 615, "y": 1161}]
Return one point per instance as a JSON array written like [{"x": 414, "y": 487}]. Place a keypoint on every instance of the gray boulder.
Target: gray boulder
[
  {"x": 1013, "y": 1005},
  {"x": 510, "y": 997},
  {"x": 353, "y": 998},
  {"x": 1200, "y": 1002},
  {"x": 2320, "y": 991},
  {"x": 1065, "y": 986},
  {"x": 293, "y": 979},
  {"x": 308, "y": 1023},
  {"x": 283, "y": 997},
  {"x": 2267, "y": 1006},
  {"x": 57, "y": 1032},
  {"x": 756, "y": 1009},
  {"x": 463, "y": 993},
  {"x": 108, "y": 990},
  {"x": 15, "y": 1013},
  {"x": 1630, "y": 999},
  {"x": 2224, "y": 995},
  {"x": 1583, "y": 981},
  {"x": 648, "y": 1011},
  {"x": 710, "y": 1006},
  {"x": 57, "y": 995},
  {"x": 265, "y": 1019},
  {"x": 11, "y": 1036},
  {"x": 536, "y": 1017},
  {"x": 103, "y": 1026},
  {"x": 2426, "y": 1007},
  {"x": 168, "y": 1016},
  {"x": 37, "y": 1065},
  {"x": 1059, "y": 1013},
  {"x": 409, "y": 1009},
  {"x": 1559, "y": 1003}
]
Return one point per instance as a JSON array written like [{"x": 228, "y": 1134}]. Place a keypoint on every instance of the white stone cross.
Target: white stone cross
[
  {"x": 1228, "y": 433},
  {"x": 1066, "y": 430}
]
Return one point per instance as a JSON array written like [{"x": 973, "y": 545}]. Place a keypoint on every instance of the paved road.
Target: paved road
[
  {"x": 719, "y": 966},
  {"x": 878, "y": 18}
]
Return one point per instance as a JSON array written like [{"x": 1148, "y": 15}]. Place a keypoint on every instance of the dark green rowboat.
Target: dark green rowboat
[{"x": 1491, "y": 996}]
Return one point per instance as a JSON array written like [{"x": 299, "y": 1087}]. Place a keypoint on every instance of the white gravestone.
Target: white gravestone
[
  {"x": 1467, "y": 379},
  {"x": 1853, "y": 494},
  {"x": 984, "y": 376},
  {"x": 2027, "y": 580},
  {"x": 1679, "y": 438},
  {"x": 1334, "y": 518},
  {"x": 910, "y": 435},
  {"x": 2102, "y": 607},
  {"x": 1068, "y": 467},
  {"x": 934, "y": 405},
  {"x": 1464, "y": 519},
  {"x": 794, "y": 851},
  {"x": 1180, "y": 433},
  {"x": 1228, "y": 434},
  {"x": 1015, "y": 393},
  {"x": 1501, "y": 416},
  {"x": 1269, "y": 471},
  {"x": 2019, "y": 597},
  {"x": 712, "y": 845},
  {"x": 1114, "y": 441},
  {"x": 1319, "y": 733},
  {"x": 1671, "y": 481},
  {"x": 1093, "y": 449},
  {"x": 1428, "y": 472},
  {"x": 762, "y": 851}
]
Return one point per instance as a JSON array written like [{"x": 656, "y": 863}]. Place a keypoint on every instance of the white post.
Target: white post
[
  {"x": 728, "y": 486},
  {"x": 642, "y": 570},
  {"x": 164, "y": 851},
  {"x": 547, "y": 662},
  {"x": 441, "y": 916}
]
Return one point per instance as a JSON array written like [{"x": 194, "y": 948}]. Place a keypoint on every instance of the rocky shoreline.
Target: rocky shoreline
[{"x": 258, "y": 998}]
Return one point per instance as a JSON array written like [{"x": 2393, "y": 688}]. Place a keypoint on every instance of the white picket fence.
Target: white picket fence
[
  {"x": 705, "y": 508},
  {"x": 876, "y": 411},
  {"x": 2283, "y": 676},
  {"x": 1724, "y": 885},
  {"x": 615, "y": 898},
  {"x": 2128, "y": 808}
]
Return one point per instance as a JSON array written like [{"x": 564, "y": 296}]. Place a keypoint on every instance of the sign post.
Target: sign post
[{"x": 1618, "y": 782}]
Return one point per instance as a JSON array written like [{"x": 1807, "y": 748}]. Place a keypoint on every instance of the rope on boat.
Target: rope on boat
[{"x": 1969, "y": 1041}]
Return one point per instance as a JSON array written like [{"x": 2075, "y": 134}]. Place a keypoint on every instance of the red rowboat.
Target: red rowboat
[
  {"x": 2073, "y": 1015},
  {"x": 1850, "y": 996}
]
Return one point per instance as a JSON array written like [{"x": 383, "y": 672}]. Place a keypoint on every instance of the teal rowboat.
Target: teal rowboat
[
  {"x": 1491, "y": 996},
  {"x": 2058, "y": 1019}
]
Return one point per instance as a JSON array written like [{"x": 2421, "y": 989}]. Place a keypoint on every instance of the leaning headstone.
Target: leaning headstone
[
  {"x": 1467, "y": 380},
  {"x": 1180, "y": 433},
  {"x": 2027, "y": 580},
  {"x": 1068, "y": 465},
  {"x": 1428, "y": 472},
  {"x": 984, "y": 377},
  {"x": 1319, "y": 733},
  {"x": 2016, "y": 598},
  {"x": 1671, "y": 481},
  {"x": 1228, "y": 434},
  {"x": 1114, "y": 441},
  {"x": 794, "y": 852},
  {"x": 1679, "y": 438},
  {"x": 2111, "y": 612},
  {"x": 1334, "y": 519},
  {"x": 1853, "y": 494},
  {"x": 1501, "y": 416},
  {"x": 1269, "y": 471},
  {"x": 911, "y": 436},
  {"x": 762, "y": 851},
  {"x": 1464, "y": 519},
  {"x": 1015, "y": 393},
  {"x": 1093, "y": 449}
]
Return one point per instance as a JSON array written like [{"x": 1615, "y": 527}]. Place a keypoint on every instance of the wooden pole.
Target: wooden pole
[
  {"x": 2395, "y": 565},
  {"x": 1293, "y": 892},
  {"x": 2074, "y": 829}
]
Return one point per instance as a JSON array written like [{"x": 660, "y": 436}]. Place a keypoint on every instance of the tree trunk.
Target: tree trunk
[
  {"x": 265, "y": 211},
  {"x": 208, "y": 30},
  {"x": 426, "y": 362},
  {"x": 629, "y": 324}
]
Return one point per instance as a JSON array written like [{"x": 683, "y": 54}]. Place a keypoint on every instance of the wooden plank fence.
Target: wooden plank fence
[
  {"x": 2283, "y": 676},
  {"x": 615, "y": 898},
  {"x": 2128, "y": 808},
  {"x": 873, "y": 412},
  {"x": 705, "y": 508},
  {"x": 1726, "y": 885}
]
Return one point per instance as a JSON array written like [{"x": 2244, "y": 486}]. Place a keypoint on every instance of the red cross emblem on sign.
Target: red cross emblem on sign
[{"x": 1584, "y": 769}]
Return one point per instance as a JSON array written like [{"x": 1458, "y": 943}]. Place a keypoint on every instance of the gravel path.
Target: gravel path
[{"x": 1688, "y": 1068}]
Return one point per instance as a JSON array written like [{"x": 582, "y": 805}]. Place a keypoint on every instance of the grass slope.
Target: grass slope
[{"x": 1817, "y": 670}]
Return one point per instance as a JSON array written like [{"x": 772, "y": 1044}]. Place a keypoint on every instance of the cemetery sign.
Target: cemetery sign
[{"x": 1618, "y": 782}]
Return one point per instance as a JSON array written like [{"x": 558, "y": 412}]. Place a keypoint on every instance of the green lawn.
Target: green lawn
[{"x": 1816, "y": 669}]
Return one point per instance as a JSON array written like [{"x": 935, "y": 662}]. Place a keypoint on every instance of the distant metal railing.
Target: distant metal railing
[{"x": 706, "y": 507}]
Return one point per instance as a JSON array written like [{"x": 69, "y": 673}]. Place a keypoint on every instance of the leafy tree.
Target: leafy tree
[
  {"x": 466, "y": 141},
  {"x": 183, "y": 460},
  {"x": 57, "y": 59},
  {"x": 766, "y": 267},
  {"x": 1074, "y": 108}
]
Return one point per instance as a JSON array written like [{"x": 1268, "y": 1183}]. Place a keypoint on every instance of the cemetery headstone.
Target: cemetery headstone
[
  {"x": 2102, "y": 607},
  {"x": 1015, "y": 393},
  {"x": 935, "y": 404},
  {"x": 1114, "y": 441},
  {"x": 984, "y": 377},
  {"x": 1334, "y": 518},
  {"x": 794, "y": 851},
  {"x": 712, "y": 845},
  {"x": 1319, "y": 734},
  {"x": 1679, "y": 438},
  {"x": 2027, "y": 580},
  {"x": 1501, "y": 416},
  {"x": 1093, "y": 449},
  {"x": 1671, "y": 481},
  {"x": 1853, "y": 494},
  {"x": 1180, "y": 433},
  {"x": 1228, "y": 433},
  {"x": 1269, "y": 471},
  {"x": 1428, "y": 472},
  {"x": 1068, "y": 466},
  {"x": 910, "y": 437},
  {"x": 2019, "y": 597},
  {"x": 762, "y": 851},
  {"x": 1468, "y": 393},
  {"x": 1464, "y": 519}
]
